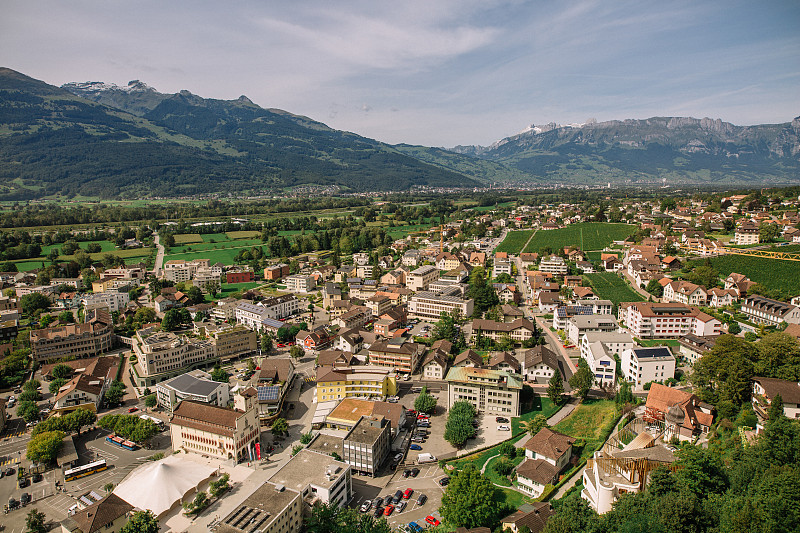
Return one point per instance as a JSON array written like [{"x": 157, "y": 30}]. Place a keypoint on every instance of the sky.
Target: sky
[{"x": 435, "y": 73}]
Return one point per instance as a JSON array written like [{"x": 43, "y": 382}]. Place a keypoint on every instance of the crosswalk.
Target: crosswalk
[
  {"x": 309, "y": 380},
  {"x": 104, "y": 454},
  {"x": 6, "y": 461},
  {"x": 13, "y": 433}
]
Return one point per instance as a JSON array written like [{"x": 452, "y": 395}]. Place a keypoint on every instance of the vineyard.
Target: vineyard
[
  {"x": 586, "y": 236},
  {"x": 783, "y": 277},
  {"x": 514, "y": 241},
  {"x": 609, "y": 286}
]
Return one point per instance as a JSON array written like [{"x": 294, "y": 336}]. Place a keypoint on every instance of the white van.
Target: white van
[{"x": 426, "y": 458}]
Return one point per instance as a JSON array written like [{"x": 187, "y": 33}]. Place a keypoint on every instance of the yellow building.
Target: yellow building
[{"x": 367, "y": 382}]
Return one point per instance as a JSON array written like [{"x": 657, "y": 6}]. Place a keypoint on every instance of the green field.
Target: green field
[
  {"x": 514, "y": 241},
  {"x": 587, "y": 420},
  {"x": 106, "y": 246},
  {"x": 610, "y": 286},
  {"x": 249, "y": 234},
  {"x": 203, "y": 246},
  {"x": 541, "y": 405},
  {"x": 132, "y": 255},
  {"x": 187, "y": 238},
  {"x": 229, "y": 288},
  {"x": 223, "y": 253},
  {"x": 774, "y": 274},
  {"x": 215, "y": 237},
  {"x": 586, "y": 236}
]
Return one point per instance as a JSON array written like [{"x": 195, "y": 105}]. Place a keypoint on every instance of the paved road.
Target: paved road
[
  {"x": 638, "y": 289},
  {"x": 159, "y": 256},
  {"x": 556, "y": 346}
]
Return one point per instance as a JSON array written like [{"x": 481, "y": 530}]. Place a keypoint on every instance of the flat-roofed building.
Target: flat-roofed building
[
  {"x": 367, "y": 445},
  {"x": 643, "y": 365},
  {"x": 554, "y": 265},
  {"x": 367, "y": 382},
  {"x": 342, "y": 416},
  {"x": 420, "y": 278},
  {"x": 300, "y": 283},
  {"x": 319, "y": 478},
  {"x": 231, "y": 342},
  {"x": 582, "y": 324},
  {"x": 270, "y": 508},
  {"x": 432, "y": 304},
  {"x": 489, "y": 391},
  {"x": 648, "y": 320},
  {"x": 196, "y": 386},
  {"x": 92, "y": 338},
  {"x": 399, "y": 354},
  {"x": 217, "y": 432},
  {"x": 161, "y": 355},
  {"x": 614, "y": 342},
  {"x": 112, "y": 299},
  {"x": 517, "y": 331}
]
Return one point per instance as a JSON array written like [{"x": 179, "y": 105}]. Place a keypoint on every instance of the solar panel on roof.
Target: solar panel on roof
[{"x": 268, "y": 393}]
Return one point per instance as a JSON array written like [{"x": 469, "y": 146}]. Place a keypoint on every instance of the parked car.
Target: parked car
[
  {"x": 9, "y": 472},
  {"x": 414, "y": 472},
  {"x": 501, "y": 420},
  {"x": 432, "y": 520},
  {"x": 37, "y": 478},
  {"x": 407, "y": 494},
  {"x": 421, "y": 499},
  {"x": 414, "y": 527},
  {"x": 388, "y": 510},
  {"x": 393, "y": 399},
  {"x": 400, "y": 506},
  {"x": 398, "y": 495},
  {"x": 378, "y": 512},
  {"x": 444, "y": 481},
  {"x": 415, "y": 446},
  {"x": 25, "y": 498},
  {"x": 23, "y": 482},
  {"x": 133, "y": 409},
  {"x": 503, "y": 427},
  {"x": 417, "y": 439},
  {"x": 366, "y": 506},
  {"x": 406, "y": 472}
]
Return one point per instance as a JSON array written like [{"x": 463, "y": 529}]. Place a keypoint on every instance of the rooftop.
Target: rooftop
[
  {"x": 258, "y": 510},
  {"x": 309, "y": 468}
]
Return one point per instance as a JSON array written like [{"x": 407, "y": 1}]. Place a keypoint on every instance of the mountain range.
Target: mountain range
[{"x": 102, "y": 140}]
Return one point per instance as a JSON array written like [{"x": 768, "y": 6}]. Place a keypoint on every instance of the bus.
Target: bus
[
  {"x": 122, "y": 443},
  {"x": 85, "y": 470}
]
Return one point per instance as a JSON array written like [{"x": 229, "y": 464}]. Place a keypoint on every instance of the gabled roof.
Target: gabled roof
[
  {"x": 503, "y": 357},
  {"x": 537, "y": 470},
  {"x": 549, "y": 443},
  {"x": 102, "y": 513},
  {"x": 540, "y": 354},
  {"x": 468, "y": 355},
  {"x": 788, "y": 390},
  {"x": 535, "y": 518}
]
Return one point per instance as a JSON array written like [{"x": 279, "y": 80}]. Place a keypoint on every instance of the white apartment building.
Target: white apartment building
[
  {"x": 581, "y": 324},
  {"x": 553, "y": 265},
  {"x": 685, "y": 293},
  {"x": 196, "y": 386},
  {"x": 502, "y": 267},
  {"x": 253, "y": 315},
  {"x": 180, "y": 270},
  {"x": 317, "y": 477},
  {"x": 745, "y": 234},
  {"x": 647, "y": 320},
  {"x": 601, "y": 363},
  {"x": 162, "y": 354},
  {"x": 490, "y": 391},
  {"x": 642, "y": 365},
  {"x": 599, "y": 307},
  {"x": 614, "y": 342},
  {"x": 768, "y": 311},
  {"x": 300, "y": 283},
  {"x": 420, "y": 278},
  {"x": 111, "y": 299},
  {"x": 433, "y": 304}
]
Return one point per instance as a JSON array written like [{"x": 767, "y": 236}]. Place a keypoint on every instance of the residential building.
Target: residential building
[
  {"x": 344, "y": 414},
  {"x": 581, "y": 324},
  {"x": 502, "y": 267},
  {"x": 196, "y": 386},
  {"x": 161, "y": 355},
  {"x": 647, "y": 320},
  {"x": 600, "y": 362},
  {"x": 507, "y": 292},
  {"x": 107, "y": 515},
  {"x": 349, "y": 341},
  {"x": 367, "y": 445},
  {"x": 367, "y": 382},
  {"x": 681, "y": 412},
  {"x": 318, "y": 478},
  {"x": 685, "y": 293},
  {"x": 765, "y": 390},
  {"x": 489, "y": 391},
  {"x": 614, "y": 343},
  {"x": 412, "y": 258},
  {"x": 539, "y": 364},
  {"x": 378, "y": 304},
  {"x": 693, "y": 347},
  {"x": 644, "y": 365},
  {"x": 91, "y": 338},
  {"x": 81, "y": 391},
  {"x": 356, "y": 317},
  {"x": 504, "y": 361},
  {"x": 419, "y": 279},
  {"x": 239, "y": 274},
  {"x": 598, "y": 306},
  {"x": 253, "y": 315},
  {"x": 546, "y": 454},
  {"x": 313, "y": 341},
  {"x": 447, "y": 261},
  {"x": 771, "y": 312},
  {"x": 433, "y": 304},
  {"x": 270, "y": 508},
  {"x": 534, "y": 516},
  {"x": 180, "y": 270},
  {"x": 276, "y": 272},
  {"x": 115, "y": 301},
  {"x": 518, "y": 331},
  {"x": 217, "y": 432},
  {"x": 300, "y": 283},
  {"x": 468, "y": 358},
  {"x": 722, "y": 297},
  {"x": 563, "y": 314},
  {"x": 746, "y": 233},
  {"x": 434, "y": 367},
  {"x": 398, "y": 353},
  {"x": 554, "y": 265}
]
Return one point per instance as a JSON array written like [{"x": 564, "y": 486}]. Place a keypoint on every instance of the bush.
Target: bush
[{"x": 503, "y": 466}]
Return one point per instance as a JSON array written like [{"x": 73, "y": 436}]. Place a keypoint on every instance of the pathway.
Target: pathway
[
  {"x": 557, "y": 417},
  {"x": 643, "y": 293},
  {"x": 159, "y": 256},
  {"x": 555, "y": 341}
]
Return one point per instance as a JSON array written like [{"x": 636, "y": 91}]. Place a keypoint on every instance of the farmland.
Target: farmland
[
  {"x": 774, "y": 274},
  {"x": 187, "y": 238},
  {"x": 514, "y": 241},
  {"x": 131, "y": 255},
  {"x": 610, "y": 286},
  {"x": 586, "y": 236}
]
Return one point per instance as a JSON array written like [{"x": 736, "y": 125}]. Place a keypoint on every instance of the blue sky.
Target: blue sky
[{"x": 435, "y": 73}]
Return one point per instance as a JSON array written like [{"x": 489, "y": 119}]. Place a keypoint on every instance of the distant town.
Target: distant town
[{"x": 531, "y": 362}]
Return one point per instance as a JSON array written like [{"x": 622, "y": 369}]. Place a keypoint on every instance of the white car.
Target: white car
[
  {"x": 503, "y": 427},
  {"x": 366, "y": 506}
]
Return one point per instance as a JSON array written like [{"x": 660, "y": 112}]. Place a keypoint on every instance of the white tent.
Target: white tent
[{"x": 159, "y": 485}]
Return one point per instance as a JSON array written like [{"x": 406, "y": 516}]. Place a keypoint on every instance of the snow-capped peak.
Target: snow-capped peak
[{"x": 94, "y": 87}]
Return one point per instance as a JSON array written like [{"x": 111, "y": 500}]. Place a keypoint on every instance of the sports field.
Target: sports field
[{"x": 586, "y": 236}]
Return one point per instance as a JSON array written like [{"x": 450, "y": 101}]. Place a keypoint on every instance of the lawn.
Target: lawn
[
  {"x": 133, "y": 255},
  {"x": 215, "y": 237},
  {"x": 514, "y": 241},
  {"x": 249, "y": 234},
  {"x": 106, "y": 246},
  {"x": 658, "y": 342},
  {"x": 541, "y": 405},
  {"x": 774, "y": 274},
  {"x": 187, "y": 238},
  {"x": 588, "y": 419},
  {"x": 229, "y": 288},
  {"x": 610, "y": 286},
  {"x": 400, "y": 232},
  {"x": 586, "y": 236},
  {"x": 225, "y": 255},
  {"x": 203, "y": 246}
]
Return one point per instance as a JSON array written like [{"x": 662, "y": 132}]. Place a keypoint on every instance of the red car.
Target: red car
[
  {"x": 432, "y": 521},
  {"x": 389, "y": 509},
  {"x": 280, "y": 345},
  {"x": 407, "y": 494},
  {"x": 133, "y": 409}
]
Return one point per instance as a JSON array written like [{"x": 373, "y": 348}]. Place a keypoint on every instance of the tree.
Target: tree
[
  {"x": 172, "y": 320},
  {"x": 534, "y": 425},
  {"x": 251, "y": 366},
  {"x": 141, "y": 522},
  {"x": 724, "y": 372},
  {"x": 144, "y": 315},
  {"x": 195, "y": 295},
  {"x": 655, "y": 288},
  {"x": 625, "y": 394},
  {"x": 778, "y": 356},
  {"x": 266, "y": 343},
  {"x": 768, "y": 232},
  {"x": 704, "y": 275},
  {"x": 34, "y": 302},
  {"x": 555, "y": 388},
  {"x": 35, "y": 522},
  {"x": 150, "y": 401},
  {"x": 469, "y": 500},
  {"x": 28, "y": 411},
  {"x": 296, "y": 351},
  {"x": 43, "y": 448},
  {"x": 280, "y": 427},
  {"x": 425, "y": 402},
  {"x": 582, "y": 380},
  {"x": 61, "y": 371},
  {"x": 115, "y": 393},
  {"x": 327, "y": 518},
  {"x": 55, "y": 385},
  {"x": 108, "y": 487},
  {"x": 216, "y": 488},
  {"x": 507, "y": 449},
  {"x": 574, "y": 516},
  {"x": 458, "y": 427},
  {"x": 305, "y": 438},
  {"x": 220, "y": 375}
]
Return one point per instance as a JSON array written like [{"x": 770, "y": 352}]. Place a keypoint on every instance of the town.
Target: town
[{"x": 444, "y": 365}]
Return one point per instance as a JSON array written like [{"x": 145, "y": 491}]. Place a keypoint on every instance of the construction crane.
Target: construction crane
[{"x": 722, "y": 250}]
